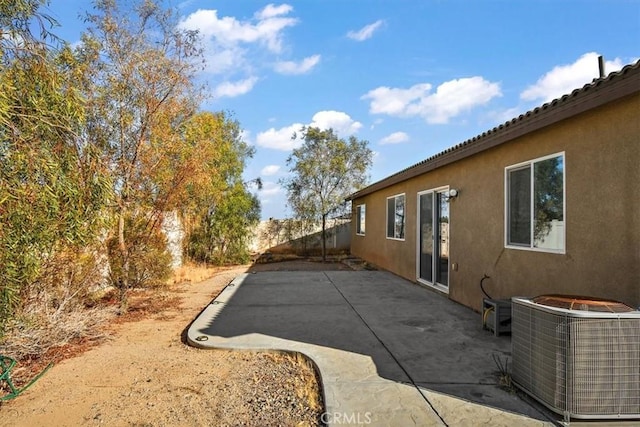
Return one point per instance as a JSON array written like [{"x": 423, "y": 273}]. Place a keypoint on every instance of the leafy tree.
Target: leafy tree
[
  {"x": 139, "y": 84},
  {"x": 18, "y": 19},
  {"x": 325, "y": 170},
  {"x": 112, "y": 121},
  {"x": 220, "y": 209},
  {"x": 149, "y": 263},
  {"x": 52, "y": 188},
  {"x": 224, "y": 232},
  {"x": 216, "y": 157}
]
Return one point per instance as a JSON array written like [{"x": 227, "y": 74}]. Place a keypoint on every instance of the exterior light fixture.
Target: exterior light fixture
[{"x": 453, "y": 193}]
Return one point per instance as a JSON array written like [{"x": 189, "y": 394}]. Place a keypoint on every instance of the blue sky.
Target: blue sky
[{"x": 412, "y": 77}]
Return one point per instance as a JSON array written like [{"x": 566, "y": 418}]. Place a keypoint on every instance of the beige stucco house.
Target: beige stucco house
[{"x": 548, "y": 202}]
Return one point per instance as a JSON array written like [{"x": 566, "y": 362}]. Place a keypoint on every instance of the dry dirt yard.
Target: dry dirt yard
[{"x": 145, "y": 375}]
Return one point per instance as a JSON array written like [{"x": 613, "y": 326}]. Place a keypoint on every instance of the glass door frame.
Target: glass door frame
[{"x": 435, "y": 259}]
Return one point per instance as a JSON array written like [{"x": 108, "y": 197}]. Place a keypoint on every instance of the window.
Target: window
[
  {"x": 395, "y": 217},
  {"x": 360, "y": 219},
  {"x": 535, "y": 208}
]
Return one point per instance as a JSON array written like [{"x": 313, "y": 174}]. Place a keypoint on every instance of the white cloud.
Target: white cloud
[
  {"x": 341, "y": 122},
  {"x": 395, "y": 138},
  {"x": 375, "y": 123},
  {"x": 450, "y": 99},
  {"x": 228, "y": 30},
  {"x": 270, "y": 170},
  {"x": 184, "y": 4},
  {"x": 270, "y": 189},
  {"x": 563, "y": 79},
  {"x": 229, "y": 42},
  {"x": 365, "y": 32},
  {"x": 392, "y": 101},
  {"x": 271, "y": 11},
  {"x": 232, "y": 89},
  {"x": 222, "y": 59},
  {"x": 502, "y": 116},
  {"x": 245, "y": 135},
  {"x": 280, "y": 139},
  {"x": 291, "y": 67}
]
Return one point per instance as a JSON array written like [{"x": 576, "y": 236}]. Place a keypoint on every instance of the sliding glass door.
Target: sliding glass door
[{"x": 433, "y": 238}]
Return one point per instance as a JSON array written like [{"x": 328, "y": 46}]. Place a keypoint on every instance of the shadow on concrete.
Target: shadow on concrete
[{"x": 412, "y": 334}]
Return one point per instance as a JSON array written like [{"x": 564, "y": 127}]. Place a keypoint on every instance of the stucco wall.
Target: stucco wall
[{"x": 602, "y": 172}]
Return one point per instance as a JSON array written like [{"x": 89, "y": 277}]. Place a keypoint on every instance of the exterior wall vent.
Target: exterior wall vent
[{"x": 581, "y": 363}]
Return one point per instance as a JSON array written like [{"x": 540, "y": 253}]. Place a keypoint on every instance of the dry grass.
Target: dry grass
[
  {"x": 193, "y": 273},
  {"x": 36, "y": 335},
  {"x": 147, "y": 303},
  {"x": 46, "y": 330},
  {"x": 310, "y": 392},
  {"x": 504, "y": 376},
  {"x": 154, "y": 379},
  {"x": 42, "y": 335},
  {"x": 39, "y": 338}
]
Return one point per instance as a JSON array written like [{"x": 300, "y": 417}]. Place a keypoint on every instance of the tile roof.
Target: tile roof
[{"x": 600, "y": 91}]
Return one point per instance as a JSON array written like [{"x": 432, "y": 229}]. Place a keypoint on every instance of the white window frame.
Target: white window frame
[
  {"x": 404, "y": 218},
  {"x": 360, "y": 230},
  {"x": 531, "y": 164}
]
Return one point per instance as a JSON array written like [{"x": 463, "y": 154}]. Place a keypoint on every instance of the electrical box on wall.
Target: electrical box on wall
[{"x": 496, "y": 316}]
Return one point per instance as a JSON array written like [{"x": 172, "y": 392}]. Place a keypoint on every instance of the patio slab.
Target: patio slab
[{"x": 389, "y": 352}]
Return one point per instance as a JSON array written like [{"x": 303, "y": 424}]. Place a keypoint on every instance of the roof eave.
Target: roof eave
[{"x": 616, "y": 86}]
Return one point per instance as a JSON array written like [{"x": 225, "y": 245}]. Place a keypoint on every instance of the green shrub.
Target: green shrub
[{"x": 146, "y": 263}]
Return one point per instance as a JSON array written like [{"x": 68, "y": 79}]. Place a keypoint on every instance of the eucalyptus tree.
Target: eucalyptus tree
[
  {"x": 51, "y": 188},
  {"x": 223, "y": 233},
  {"x": 219, "y": 207},
  {"x": 325, "y": 169},
  {"x": 139, "y": 83},
  {"x": 164, "y": 154}
]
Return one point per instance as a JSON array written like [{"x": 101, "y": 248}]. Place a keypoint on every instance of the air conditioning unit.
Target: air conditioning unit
[{"x": 579, "y": 363}]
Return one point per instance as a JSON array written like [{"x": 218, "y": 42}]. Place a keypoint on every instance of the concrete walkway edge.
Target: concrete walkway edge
[{"x": 354, "y": 393}]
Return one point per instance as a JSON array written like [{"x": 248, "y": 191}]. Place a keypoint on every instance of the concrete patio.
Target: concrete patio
[{"x": 389, "y": 352}]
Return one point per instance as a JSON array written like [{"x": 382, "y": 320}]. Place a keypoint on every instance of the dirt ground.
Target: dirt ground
[{"x": 145, "y": 375}]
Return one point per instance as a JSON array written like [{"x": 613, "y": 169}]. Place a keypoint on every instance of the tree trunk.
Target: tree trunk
[
  {"x": 324, "y": 238},
  {"x": 123, "y": 280}
]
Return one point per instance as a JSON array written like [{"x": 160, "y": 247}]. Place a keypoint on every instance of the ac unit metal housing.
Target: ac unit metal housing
[{"x": 580, "y": 364}]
